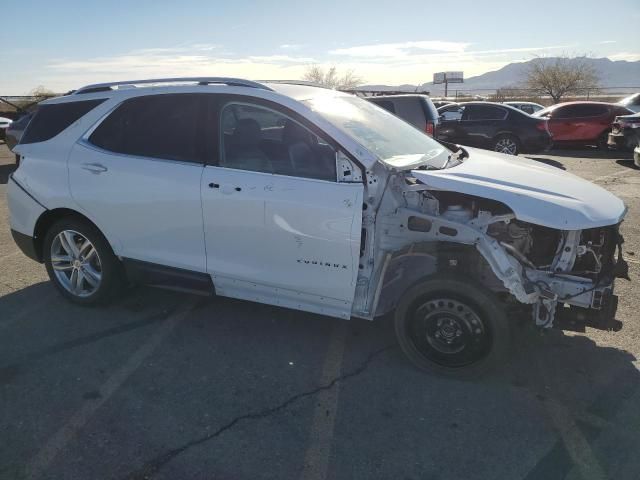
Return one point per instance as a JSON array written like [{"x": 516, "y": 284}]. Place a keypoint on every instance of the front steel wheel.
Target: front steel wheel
[
  {"x": 452, "y": 326},
  {"x": 449, "y": 332}
]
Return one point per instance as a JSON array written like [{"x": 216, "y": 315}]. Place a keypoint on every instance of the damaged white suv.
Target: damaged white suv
[{"x": 311, "y": 199}]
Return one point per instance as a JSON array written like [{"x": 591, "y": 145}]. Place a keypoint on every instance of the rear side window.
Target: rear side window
[
  {"x": 578, "y": 111},
  {"x": 411, "y": 110},
  {"x": 386, "y": 104},
  {"x": 156, "y": 126},
  {"x": 52, "y": 119},
  {"x": 484, "y": 112}
]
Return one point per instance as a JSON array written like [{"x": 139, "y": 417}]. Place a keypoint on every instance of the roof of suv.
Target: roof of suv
[{"x": 296, "y": 90}]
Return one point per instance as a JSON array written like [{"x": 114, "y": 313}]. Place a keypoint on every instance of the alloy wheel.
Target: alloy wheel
[
  {"x": 506, "y": 145},
  {"x": 76, "y": 263}
]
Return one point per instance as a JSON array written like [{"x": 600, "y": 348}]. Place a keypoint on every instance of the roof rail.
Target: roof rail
[
  {"x": 235, "y": 82},
  {"x": 296, "y": 82}
]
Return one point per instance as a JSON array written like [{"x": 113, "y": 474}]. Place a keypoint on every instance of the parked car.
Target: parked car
[
  {"x": 493, "y": 126},
  {"x": 581, "y": 123},
  {"x": 441, "y": 103},
  {"x": 4, "y": 124},
  {"x": 526, "y": 107},
  {"x": 15, "y": 131},
  {"x": 451, "y": 111},
  {"x": 632, "y": 102},
  {"x": 625, "y": 134},
  {"x": 416, "y": 109},
  {"x": 311, "y": 199}
]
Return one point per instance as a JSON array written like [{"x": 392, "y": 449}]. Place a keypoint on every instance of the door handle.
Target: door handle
[
  {"x": 225, "y": 188},
  {"x": 95, "y": 168}
]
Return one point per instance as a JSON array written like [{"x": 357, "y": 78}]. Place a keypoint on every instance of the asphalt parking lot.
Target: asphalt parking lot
[{"x": 170, "y": 386}]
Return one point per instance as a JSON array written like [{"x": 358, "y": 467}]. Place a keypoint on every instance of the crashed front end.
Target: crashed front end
[{"x": 565, "y": 275}]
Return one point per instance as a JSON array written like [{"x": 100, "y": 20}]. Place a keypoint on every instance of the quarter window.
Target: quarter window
[
  {"x": 156, "y": 126},
  {"x": 259, "y": 139},
  {"x": 51, "y": 119}
]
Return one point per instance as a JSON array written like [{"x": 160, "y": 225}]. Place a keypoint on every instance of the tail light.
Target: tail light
[
  {"x": 430, "y": 129},
  {"x": 543, "y": 127}
]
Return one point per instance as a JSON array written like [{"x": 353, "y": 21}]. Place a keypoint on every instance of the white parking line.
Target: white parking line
[
  {"x": 40, "y": 462},
  {"x": 584, "y": 459},
  {"x": 316, "y": 459}
]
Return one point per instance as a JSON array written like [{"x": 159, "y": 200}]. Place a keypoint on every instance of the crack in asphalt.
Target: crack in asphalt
[{"x": 154, "y": 465}]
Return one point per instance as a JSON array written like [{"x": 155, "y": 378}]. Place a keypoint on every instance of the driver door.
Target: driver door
[{"x": 279, "y": 227}]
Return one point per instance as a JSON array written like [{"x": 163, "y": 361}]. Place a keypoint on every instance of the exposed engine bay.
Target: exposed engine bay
[{"x": 567, "y": 274}]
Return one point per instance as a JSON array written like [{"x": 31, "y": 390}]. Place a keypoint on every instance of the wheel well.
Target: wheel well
[
  {"x": 47, "y": 219},
  {"x": 419, "y": 261},
  {"x": 506, "y": 134}
]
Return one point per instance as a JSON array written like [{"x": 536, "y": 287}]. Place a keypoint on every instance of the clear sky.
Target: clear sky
[{"x": 63, "y": 44}]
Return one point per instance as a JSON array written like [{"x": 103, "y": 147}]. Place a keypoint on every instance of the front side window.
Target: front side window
[
  {"x": 155, "y": 126},
  {"x": 259, "y": 139},
  {"x": 451, "y": 113},
  {"x": 392, "y": 140}
]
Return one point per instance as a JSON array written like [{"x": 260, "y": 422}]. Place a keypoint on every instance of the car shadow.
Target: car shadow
[
  {"x": 628, "y": 163},
  {"x": 548, "y": 161},
  {"x": 5, "y": 171},
  {"x": 592, "y": 384},
  {"x": 589, "y": 152}
]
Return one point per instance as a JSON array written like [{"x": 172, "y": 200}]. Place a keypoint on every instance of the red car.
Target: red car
[{"x": 581, "y": 123}]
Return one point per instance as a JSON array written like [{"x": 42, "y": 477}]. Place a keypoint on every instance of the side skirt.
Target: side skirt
[{"x": 171, "y": 278}]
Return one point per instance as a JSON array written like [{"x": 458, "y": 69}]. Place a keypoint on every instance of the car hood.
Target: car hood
[{"x": 535, "y": 192}]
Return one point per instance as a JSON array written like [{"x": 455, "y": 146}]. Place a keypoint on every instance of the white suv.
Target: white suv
[{"x": 311, "y": 199}]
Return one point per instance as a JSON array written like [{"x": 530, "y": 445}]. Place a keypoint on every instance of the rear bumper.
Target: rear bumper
[
  {"x": 24, "y": 212},
  {"x": 538, "y": 144},
  {"x": 26, "y": 244}
]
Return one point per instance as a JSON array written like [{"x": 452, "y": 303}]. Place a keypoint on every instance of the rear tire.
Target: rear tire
[
  {"x": 452, "y": 327},
  {"x": 603, "y": 141},
  {"x": 80, "y": 262},
  {"x": 507, "y": 144}
]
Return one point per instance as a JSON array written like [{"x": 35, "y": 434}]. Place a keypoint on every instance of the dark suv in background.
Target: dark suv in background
[
  {"x": 418, "y": 110},
  {"x": 494, "y": 126}
]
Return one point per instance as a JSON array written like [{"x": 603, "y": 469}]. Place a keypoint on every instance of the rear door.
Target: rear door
[
  {"x": 137, "y": 175},
  {"x": 279, "y": 227},
  {"x": 578, "y": 122},
  {"x": 449, "y": 126},
  {"x": 480, "y": 123}
]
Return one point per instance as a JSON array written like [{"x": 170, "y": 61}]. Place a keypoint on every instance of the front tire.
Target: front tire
[
  {"x": 452, "y": 327},
  {"x": 507, "y": 144},
  {"x": 80, "y": 262}
]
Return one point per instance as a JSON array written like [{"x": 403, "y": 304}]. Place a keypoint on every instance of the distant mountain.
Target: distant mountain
[{"x": 612, "y": 74}]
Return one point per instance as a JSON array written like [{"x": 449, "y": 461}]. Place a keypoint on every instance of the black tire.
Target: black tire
[
  {"x": 506, "y": 140},
  {"x": 110, "y": 267},
  {"x": 472, "y": 309},
  {"x": 603, "y": 141}
]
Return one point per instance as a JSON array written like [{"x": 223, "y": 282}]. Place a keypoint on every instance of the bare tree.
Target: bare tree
[
  {"x": 560, "y": 76},
  {"x": 331, "y": 78},
  {"x": 41, "y": 93}
]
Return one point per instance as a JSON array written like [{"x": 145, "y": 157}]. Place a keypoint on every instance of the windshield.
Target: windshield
[{"x": 394, "y": 141}]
